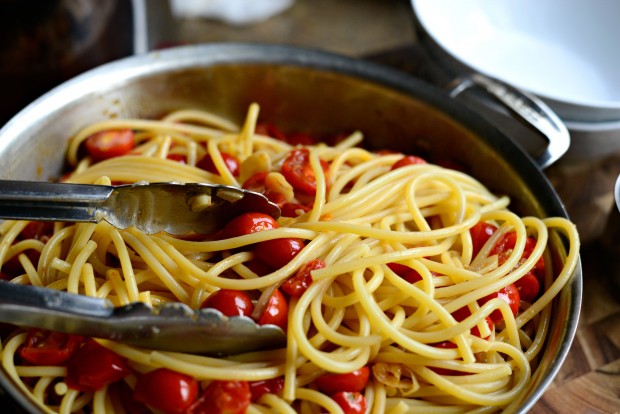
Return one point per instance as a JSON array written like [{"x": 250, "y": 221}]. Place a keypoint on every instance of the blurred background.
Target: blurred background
[{"x": 45, "y": 42}]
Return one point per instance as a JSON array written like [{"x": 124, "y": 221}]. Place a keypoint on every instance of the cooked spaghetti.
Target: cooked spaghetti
[{"x": 403, "y": 286}]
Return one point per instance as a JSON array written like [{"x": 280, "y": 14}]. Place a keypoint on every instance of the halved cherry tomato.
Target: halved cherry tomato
[
  {"x": 301, "y": 138},
  {"x": 230, "y": 302},
  {"x": 270, "y": 130},
  {"x": 108, "y": 144},
  {"x": 180, "y": 158},
  {"x": 408, "y": 160},
  {"x": 223, "y": 397},
  {"x": 276, "y": 311},
  {"x": 298, "y": 171},
  {"x": 269, "y": 386},
  {"x": 232, "y": 163},
  {"x": 93, "y": 366},
  {"x": 528, "y": 287},
  {"x": 480, "y": 233},
  {"x": 463, "y": 313},
  {"x": 446, "y": 371},
  {"x": 257, "y": 184},
  {"x": 278, "y": 252},
  {"x": 121, "y": 391},
  {"x": 351, "y": 402},
  {"x": 405, "y": 272},
  {"x": 296, "y": 285},
  {"x": 354, "y": 381},
  {"x": 167, "y": 391},
  {"x": 44, "y": 347},
  {"x": 38, "y": 230},
  {"x": 504, "y": 247},
  {"x": 294, "y": 209},
  {"x": 509, "y": 294},
  {"x": 249, "y": 223}
]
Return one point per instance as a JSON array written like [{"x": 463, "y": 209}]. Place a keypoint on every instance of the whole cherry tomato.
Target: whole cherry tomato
[
  {"x": 298, "y": 171},
  {"x": 232, "y": 163},
  {"x": 528, "y": 287},
  {"x": 463, "y": 313},
  {"x": 405, "y": 272},
  {"x": 44, "y": 347},
  {"x": 230, "y": 302},
  {"x": 108, "y": 144},
  {"x": 480, "y": 233},
  {"x": 278, "y": 252},
  {"x": 408, "y": 160},
  {"x": 296, "y": 285},
  {"x": 276, "y": 311},
  {"x": 509, "y": 294},
  {"x": 223, "y": 397},
  {"x": 351, "y": 402},
  {"x": 167, "y": 391},
  {"x": 249, "y": 223},
  {"x": 269, "y": 386},
  {"x": 93, "y": 366},
  {"x": 354, "y": 381}
]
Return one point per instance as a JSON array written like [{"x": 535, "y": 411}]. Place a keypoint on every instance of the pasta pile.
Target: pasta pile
[{"x": 400, "y": 290}]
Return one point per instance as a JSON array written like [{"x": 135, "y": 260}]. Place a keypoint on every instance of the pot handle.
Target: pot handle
[{"x": 528, "y": 109}]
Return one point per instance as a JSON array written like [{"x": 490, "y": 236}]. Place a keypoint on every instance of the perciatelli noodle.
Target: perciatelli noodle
[{"x": 403, "y": 286}]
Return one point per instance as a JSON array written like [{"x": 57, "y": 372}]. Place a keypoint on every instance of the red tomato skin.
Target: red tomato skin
[
  {"x": 278, "y": 252},
  {"x": 528, "y": 287},
  {"x": 504, "y": 247},
  {"x": 180, "y": 158},
  {"x": 405, "y": 272},
  {"x": 351, "y": 402},
  {"x": 354, "y": 381},
  {"x": 109, "y": 144},
  {"x": 509, "y": 294},
  {"x": 480, "y": 233},
  {"x": 230, "y": 302},
  {"x": 276, "y": 311},
  {"x": 270, "y": 386},
  {"x": 232, "y": 163},
  {"x": 463, "y": 313},
  {"x": 44, "y": 347},
  {"x": 270, "y": 130},
  {"x": 256, "y": 182},
  {"x": 301, "y": 138},
  {"x": 38, "y": 230},
  {"x": 294, "y": 209},
  {"x": 223, "y": 397},
  {"x": 446, "y": 371},
  {"x": 295, "y": 286},
  {"x": 298, "y": 171},
  {"x": 92, "y": 366},
  {"x": 408, "y": 160},
  {"x": 249, "y": 223},
  {"x": 167, "y": 391}
]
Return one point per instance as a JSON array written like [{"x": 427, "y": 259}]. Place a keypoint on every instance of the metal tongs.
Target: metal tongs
[
  {"x": 169, "y": 327},
  {"x": 174, "y": 208}
]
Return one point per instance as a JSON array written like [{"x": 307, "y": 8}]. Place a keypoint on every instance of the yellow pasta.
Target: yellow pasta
[{"x": 402, "y": 287}]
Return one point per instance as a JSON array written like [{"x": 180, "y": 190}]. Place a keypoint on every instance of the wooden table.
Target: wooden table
[{"x": 382, "y": 31}]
